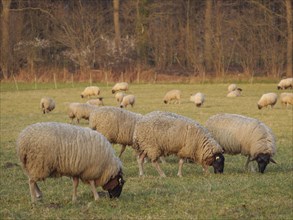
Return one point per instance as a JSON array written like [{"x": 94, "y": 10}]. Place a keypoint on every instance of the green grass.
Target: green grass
[{"x": 234, "y": 195}]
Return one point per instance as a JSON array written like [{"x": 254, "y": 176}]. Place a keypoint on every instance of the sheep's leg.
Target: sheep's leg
[
  {"x": 140, "y": 160},
  {"x": 122, "y": 150},
  {"x": 93, "y": 187},
  {"x": 32, "y": 190},
  {"x": 158, "y": 168},
  {"x": 162, "y": 159},
  {"x": 247, "y": 162},
  {"x": 205, "y": 169},
  {"x": 181, "y": 161},
  {"x": 38, "y": 191},
  {"x": 75, "y": 185}
]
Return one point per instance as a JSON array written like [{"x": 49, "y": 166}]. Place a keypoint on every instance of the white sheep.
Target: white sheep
[
  {"x": 97, "y": 102},
  {"x": 47, "y": 104},
  {"x": 119, "y": 96},
  {"x": 267, "y": 99},
  {"x": 286, "y": 98},
  {"x": 234, "y": 93},
  {"x": 122, "y": 86},
  {"x": 52, "y": 149},
  {"x": 172, "y": 95},
  {"x": 198, "y": 99},
  {"x": 127, "y": 100},
  {"x": 238, "y": 134},
  {"x": 90, "y": 91},
  {"x": 79, "y": 111},
  {"x": 163, "y": 133},
  {"x": 285, "y": 83},
  {"x": 116, "y": 124},
  {"x": 232, "y": 87}
]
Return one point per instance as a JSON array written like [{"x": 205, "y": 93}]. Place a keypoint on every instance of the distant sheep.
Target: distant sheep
[
  {"x": 122, "y": 86},
  {"x": 285, "y": 83},
  {"x": 127, "y": 100},
  {"x": 198, "y": 99},
  {"x": 90, "y": 91},
  {"x": 79, "y": 111},
  {"x": 97, "y": 102},
  {"x": 163, "y": 133},
  {"x": 267, "y": 99},
  {"x": 119, "y": 96},
  {"x": 116, "y": 124},
  {"x": 233, "y": 87},
  {"x": 172, "y": 95},
  {"x": 234, "y": 93},
  {"x": 286, "y": 98},
  {"x": 54, "y": 149},
  {"x": 239, "y": 134},
  {"x": 47, "y": 104}
]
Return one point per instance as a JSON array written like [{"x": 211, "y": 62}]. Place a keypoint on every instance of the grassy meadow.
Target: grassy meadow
[{"x": 236, "y": 194}]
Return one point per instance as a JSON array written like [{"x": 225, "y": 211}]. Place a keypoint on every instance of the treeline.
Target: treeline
[{"x": 181, "y": 37}]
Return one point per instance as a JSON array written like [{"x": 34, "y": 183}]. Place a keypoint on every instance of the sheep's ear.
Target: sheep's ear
[{"x": 273, "y": 161}]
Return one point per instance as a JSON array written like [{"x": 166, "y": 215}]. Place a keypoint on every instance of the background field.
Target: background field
[{"x": 233, "y": 195}]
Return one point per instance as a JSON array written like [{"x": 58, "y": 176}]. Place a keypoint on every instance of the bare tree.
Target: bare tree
[
  {"x": 116, "y": 24},
  {"x": 208, "y": 35},
  {"x": 5, "y": 51},
  {"x": 290, "y": 37}
]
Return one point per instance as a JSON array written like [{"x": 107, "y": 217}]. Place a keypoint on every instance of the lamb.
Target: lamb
[
  {"x": 52, "y": 149},
  {"x": 97, "y": 102},
  {"x": 234, "y": 93},
  {"x": 127, "y": 100},
  {"x": 267, "y": 99},
  {"x": 286, "y": 98},
  {"x": 198, "y": 99},
  {"x": 172, "y": 95},
  {"x": 47, "y": 104},
  {"x": 285, "y": 84},
  {"x": 122, "y": 86},
  {"x": 163, "y": 133},
  {"x": 90, "y": 91},
  {"x": 79, "y": 111},
  {"x": 239, "y": 134},
  {"x": 119, "y": 96},
  {"x": 116, "y": 124},
  {"x": 233, "y": 87}
]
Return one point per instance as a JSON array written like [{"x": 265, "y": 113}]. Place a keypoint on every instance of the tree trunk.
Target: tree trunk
[
  {"x": 290, "y": 38},
  {"x": 208, "y": 36},
  {"x": 5, "y": 38},
  {"x": 116, "y": 24}
]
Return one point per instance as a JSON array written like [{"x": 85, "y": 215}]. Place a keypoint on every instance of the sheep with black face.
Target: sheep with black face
[
  {"x": 164, "y": 133},
  {"x": 52, "y": 149},
  {"x": 238, "y": 134}
]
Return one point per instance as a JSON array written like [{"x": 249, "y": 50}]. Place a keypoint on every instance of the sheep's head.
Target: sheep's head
[
  {"x": 218, "y": 163},
  {"x": 262, "y": 161},
  {"x": 114, "y": 186},
  {"x": 279, "y": 87},
  {"x": 259, "y": 106},
  {"x": 81, "y": 96}
]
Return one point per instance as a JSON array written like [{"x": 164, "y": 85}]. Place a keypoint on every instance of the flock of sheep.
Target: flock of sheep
[{"x": 51, "y": 149}]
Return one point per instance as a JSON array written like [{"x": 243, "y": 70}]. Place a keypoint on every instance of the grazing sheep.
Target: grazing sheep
[
  {"x": 80, "y": 110},
  {"x": 97, "y": 102},
  {"x": 127, "y": 100},
  {"x": 267, "y": 99},
  {"x": 116, "y": 124},
  {"x": 52, "y": 149},
  {"x": 163, "y": 133},
  {"x": 285, "y": 83},
  {"x": 198, "y": 99},
  {"x": 47, "y": 104},
  {"x": 172, "y": 95},
  {"x": 286, "y": 98},
  {"x": 119, "y": 96},
  {"x": 122, "y": 86},
  {"x": 234, "y": 93},
  {"x": 90, "y": 91},
  {"x": 239, "y": 134}
]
